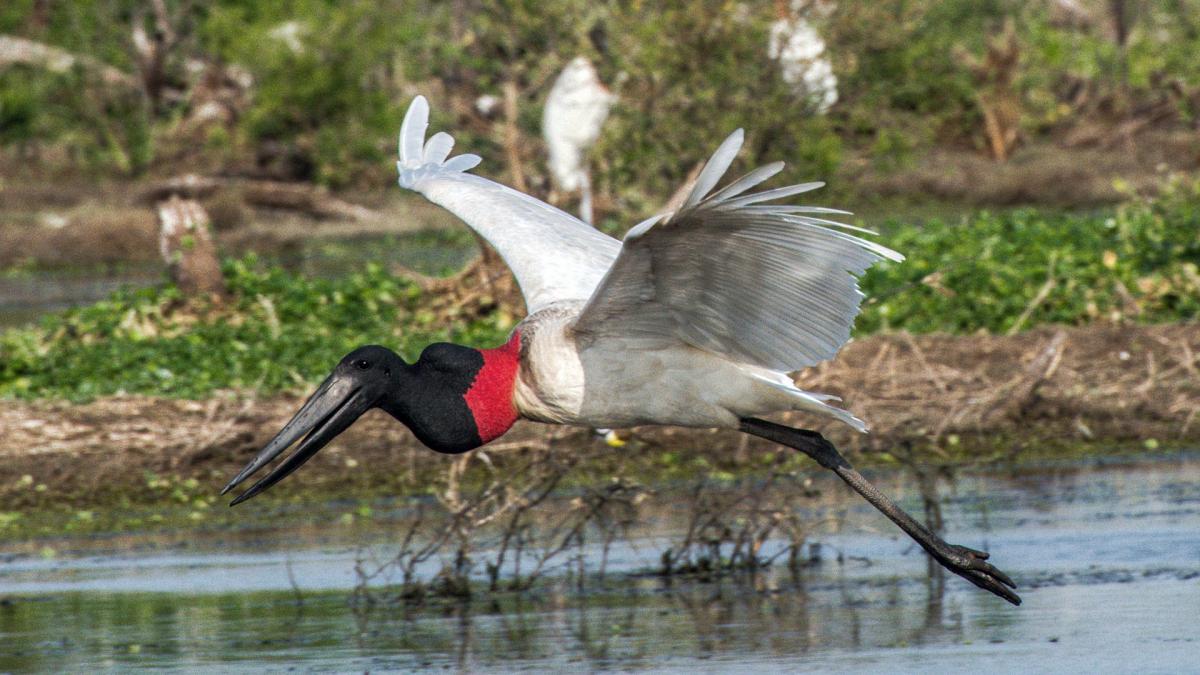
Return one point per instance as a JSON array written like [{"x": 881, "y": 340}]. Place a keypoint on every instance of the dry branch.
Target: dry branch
[
  {"x": 1033, "y": 387},
  {"x": 1011, "y": 401},
  {"x": 313, "y": 200},
  {"x": 512, "y": 136},
  {"x": 681, "y": 193},
  {"x": 151, "y": 49},
  {"x": 996, "y": 90},
  {"x": 309, "y": 199},
  {"x": 15, "y": 50},
  {"x": 1038, "y": 299}
]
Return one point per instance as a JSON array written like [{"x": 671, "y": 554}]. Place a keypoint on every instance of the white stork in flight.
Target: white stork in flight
[{"x": 694, "y": 320}]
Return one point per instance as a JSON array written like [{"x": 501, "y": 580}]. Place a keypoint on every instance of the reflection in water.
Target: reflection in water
[
  {"x": 1109, "y": 558},
  {"x": 620, "y": 627},
  {"x": 723, "y": 622}
]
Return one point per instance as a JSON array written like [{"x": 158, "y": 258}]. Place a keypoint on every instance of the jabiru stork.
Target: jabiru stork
[{"x": 695, "y": 319}]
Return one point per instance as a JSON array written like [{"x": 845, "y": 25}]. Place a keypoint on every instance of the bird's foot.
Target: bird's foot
[{"x": 972, "y": 565}]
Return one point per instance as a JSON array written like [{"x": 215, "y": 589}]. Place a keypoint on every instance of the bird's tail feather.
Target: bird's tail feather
[{"x": 809, "y": 401}]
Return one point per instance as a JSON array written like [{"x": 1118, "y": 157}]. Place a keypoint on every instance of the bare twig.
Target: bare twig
[
  {"x": 17, "y": 50},
  {"x": 512, "y": 136},
  {"x": 920, "y": 354},
  {"x": 1038, "y": 299}
]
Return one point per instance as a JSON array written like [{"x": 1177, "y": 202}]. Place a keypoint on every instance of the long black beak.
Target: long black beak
[{"x": 333, "y": 407}]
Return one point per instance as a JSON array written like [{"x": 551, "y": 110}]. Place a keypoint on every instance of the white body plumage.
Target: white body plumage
[{"x": 565, "y": 378}]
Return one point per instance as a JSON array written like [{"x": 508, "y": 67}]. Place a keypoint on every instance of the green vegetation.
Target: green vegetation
[
  {"x": 282, "y": 330},
  {"x": 315, "y": 89},
  {"x": 997, "y": 272}
]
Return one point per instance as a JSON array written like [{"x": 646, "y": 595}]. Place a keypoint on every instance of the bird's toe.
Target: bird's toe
[{"x": 972, "y": 565}]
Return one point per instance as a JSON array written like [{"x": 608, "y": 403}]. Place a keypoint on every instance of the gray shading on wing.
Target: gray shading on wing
[
  {"x": 554, "y": 255},
  {"x": 775, "y": 286}
]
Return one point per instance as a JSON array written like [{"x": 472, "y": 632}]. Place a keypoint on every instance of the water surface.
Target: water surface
[
  {"x": 1108, "y": 557},
  {"x": 26, "y": 296}
]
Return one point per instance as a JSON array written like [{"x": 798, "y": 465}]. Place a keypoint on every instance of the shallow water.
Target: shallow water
[
  {"x": 27, "y": 296},
  {"x": 1108, "y": 557}
]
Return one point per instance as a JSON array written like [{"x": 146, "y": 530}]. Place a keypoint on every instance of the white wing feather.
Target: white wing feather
[
  {"x": 554, "y": 255},
  {"x": 764, "y": 285}
]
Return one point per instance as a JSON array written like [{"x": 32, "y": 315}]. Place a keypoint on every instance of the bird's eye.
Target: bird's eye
[{"x": 362, "y": 364}]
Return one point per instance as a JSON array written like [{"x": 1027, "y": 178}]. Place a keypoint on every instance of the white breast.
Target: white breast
[{"x": 550, "y": 383}]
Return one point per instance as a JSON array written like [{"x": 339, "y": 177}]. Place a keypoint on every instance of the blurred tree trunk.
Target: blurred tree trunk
[
  {"x": 1123, "y": 14},
  {"x": 999, "y": 101},
  {"x": 512, "y": 136},
  {"x": 1122, "y": 18},
  {"x": 186, "y": 245},
  {"x": 39, "y": 17},
  {"x": 152, "y": 49}
]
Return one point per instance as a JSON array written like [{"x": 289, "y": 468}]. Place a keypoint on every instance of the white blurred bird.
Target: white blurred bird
[
  {"x": 800, "y": 51},
  {"x": 575, "y": 111}
]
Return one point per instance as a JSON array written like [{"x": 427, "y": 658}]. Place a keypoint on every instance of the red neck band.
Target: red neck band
[{"x": 490, "y": 397}]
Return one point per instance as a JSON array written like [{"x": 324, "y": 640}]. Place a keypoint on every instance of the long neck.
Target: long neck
[
  {"x": 457, "y": 398},
  {"x": 490, "y": 396}
]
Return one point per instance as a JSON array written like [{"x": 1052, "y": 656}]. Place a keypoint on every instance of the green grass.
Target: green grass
[{"x": 282, "y": 330}]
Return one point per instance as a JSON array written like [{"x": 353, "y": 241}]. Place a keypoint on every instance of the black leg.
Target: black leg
[{"x": 967, "y": 563}]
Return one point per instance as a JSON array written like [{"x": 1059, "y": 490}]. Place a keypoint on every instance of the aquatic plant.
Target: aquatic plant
[
  {"x": 279, "y": 330},
  {"x": 1002, "y": 272}
]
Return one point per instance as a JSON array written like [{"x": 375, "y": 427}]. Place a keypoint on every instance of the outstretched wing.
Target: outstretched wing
[
  {"x": 554, "y": 255},
  {"x": 770, "y": 285}
]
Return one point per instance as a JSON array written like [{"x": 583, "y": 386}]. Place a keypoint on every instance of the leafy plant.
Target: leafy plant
[
  {"x": 280, "y": 330},
  {"x": 998, "y": 272},
  {"x": 330, "y": 80},
  {"x": 993, "y": 272}
]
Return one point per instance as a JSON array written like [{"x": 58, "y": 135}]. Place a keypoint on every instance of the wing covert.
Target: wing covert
[
  {"x": 769, "y": 285},
  {"x": 553, "y": 255}
]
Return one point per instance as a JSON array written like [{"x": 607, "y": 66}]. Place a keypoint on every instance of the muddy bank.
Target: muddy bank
[
  {"x": 927, "y": 398},
  {"x": 86, "y": 230},
  {"x": 83, "y": 223},
  {"x": 1086, "y": 173}
]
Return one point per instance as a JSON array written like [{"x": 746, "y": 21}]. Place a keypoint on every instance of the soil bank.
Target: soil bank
[{"x": 927, "y": 398}]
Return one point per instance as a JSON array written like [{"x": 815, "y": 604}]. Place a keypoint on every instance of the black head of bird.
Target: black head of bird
[{"x": 444, "y": 398}]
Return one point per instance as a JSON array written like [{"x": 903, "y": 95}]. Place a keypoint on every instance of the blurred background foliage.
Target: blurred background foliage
[
  {"x": 324, "y": 84},
  {"x": 1001, "y": 272}
]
